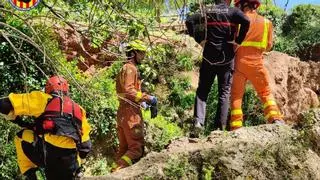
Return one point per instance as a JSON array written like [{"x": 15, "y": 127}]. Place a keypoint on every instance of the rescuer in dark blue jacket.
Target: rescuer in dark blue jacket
[{"x": 225, "y": 28}]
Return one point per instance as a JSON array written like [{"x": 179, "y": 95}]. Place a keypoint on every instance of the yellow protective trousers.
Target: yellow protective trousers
[
  {"x": 256, "y": 73},
  {"x": 33, "y": 152},
  {"x": 24, "y": 162}
]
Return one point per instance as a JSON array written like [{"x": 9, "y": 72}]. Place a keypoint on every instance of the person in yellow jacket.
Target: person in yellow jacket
[
  {"x": 130, "y": 129},
  {"x": 59, "y": 137},
  {"x": 249, "y": 66}
]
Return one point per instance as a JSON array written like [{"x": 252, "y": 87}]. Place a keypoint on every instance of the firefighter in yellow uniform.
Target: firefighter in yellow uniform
[
  {"x": 59, "y": 137},
  {"x": 249, "y": 66},
  {"x": 129, "y": 118}
]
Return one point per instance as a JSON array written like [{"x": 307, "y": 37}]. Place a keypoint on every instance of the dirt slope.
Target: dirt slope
[
  {"x": 295, "y": 84},
  {"x": 261, "y": 152}
]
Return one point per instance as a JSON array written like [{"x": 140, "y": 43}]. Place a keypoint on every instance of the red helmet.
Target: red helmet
[
  {"x": 238, "y": 3},
  {"x": 57, "y": 83}
]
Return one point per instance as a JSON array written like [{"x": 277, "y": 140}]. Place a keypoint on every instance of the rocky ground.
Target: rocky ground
[{"x": 261, "y": 152}]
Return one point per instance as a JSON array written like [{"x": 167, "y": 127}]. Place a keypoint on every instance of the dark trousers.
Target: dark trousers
[{"x": 207, "y": 75}]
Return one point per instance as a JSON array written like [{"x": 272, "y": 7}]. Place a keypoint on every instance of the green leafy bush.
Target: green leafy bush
[
  {"x": 24, "y": 70},
  {"x": 179, "y": 97},
  {"x": 178, "y": 168},
  {"x": 302, "y": 31},
  {"x": 98, "y": 166},
  {"x": 159, "y": 132},
  {"x": 252, "y": 108},
  {"x": 185, "y": 62},
  {"x": 8, "y": 163}
]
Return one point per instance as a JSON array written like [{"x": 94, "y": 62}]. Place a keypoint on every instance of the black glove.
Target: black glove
[
  {"x": 84, "y": 148},
  {"x": 154, "y": 111},
  {"x": 153, "y": 106}
]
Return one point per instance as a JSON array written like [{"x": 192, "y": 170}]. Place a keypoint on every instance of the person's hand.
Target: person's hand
[{"x": 144, "y": 105}]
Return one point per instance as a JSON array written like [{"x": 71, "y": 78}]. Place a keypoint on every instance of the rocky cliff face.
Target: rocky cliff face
[
  {"x": 261, "y": 152},
  {"x": 295, "y": 84}
]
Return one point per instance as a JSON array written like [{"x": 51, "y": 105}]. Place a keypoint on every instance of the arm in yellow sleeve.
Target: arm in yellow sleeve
[{"x": 29, "y": 104}]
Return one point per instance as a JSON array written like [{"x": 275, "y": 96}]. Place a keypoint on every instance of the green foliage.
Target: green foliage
[
  {"x": 162, "y": 64},
  {"x": 301, "y": 32},
  {"x": 179, "y": 97},
  {"x": 195, "y": 6},
  {"x": 160, "y": 132},
  {"x": 302, "y": 17},
  {"x": 8, "y": 162},
  {"x": 185, "y": 62},
  {"x": 177, "y": 168},
  {"x": 97, "y": 166},
  {"x": 252, "y": 108},
  {"x": 99, "y": 99},
  {"x": 207, "y": 172},
  {"x": 136, "y": 28},
  {"x": 212, "y": 104},
  {"x": 24, "y": 70}
]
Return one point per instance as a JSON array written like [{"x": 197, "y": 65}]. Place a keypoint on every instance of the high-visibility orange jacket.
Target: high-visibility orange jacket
[
  {"x": 129, "y": 85},
  {"x": 129, "y": 117},
  {"x": 258, "y": 39},
  {"x": 249, "y": 66}
]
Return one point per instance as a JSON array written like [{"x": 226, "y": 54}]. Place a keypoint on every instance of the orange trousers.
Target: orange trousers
[
  {"x": 131, "y": 135},
  {"x": 256, "y": 73}
]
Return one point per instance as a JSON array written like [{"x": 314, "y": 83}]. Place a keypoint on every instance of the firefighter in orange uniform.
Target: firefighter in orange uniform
[
  {"x": 59, "y": 137},
  {"x": 249, "y": 66},
  {"x": 129, "y": 118}
]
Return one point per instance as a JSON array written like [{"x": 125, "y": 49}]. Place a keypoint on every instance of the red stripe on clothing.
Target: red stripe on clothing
[
  {"x": 221, "y": 23},
  {"x": 15, "y": 2},
  {"x": 28, "y": 5}
]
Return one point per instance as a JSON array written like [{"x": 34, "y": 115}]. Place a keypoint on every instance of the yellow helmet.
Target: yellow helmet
[{"x": 136, "y": 45}]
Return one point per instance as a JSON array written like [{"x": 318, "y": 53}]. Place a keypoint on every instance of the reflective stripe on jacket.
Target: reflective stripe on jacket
[{"x": 258, "y": 38}]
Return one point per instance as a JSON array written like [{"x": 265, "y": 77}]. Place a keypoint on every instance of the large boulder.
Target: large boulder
[
  {"x": 260, "y": 152},
  {"x": 294, "y": 83}
]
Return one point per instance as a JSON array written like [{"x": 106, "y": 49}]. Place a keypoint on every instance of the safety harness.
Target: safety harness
[{"x": 61, "y": 117}]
